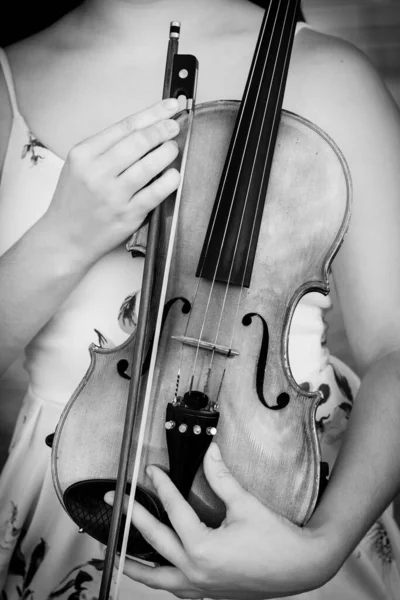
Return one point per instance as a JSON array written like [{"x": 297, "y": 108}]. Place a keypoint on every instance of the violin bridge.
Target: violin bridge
[{"x": 209, "y": 346}]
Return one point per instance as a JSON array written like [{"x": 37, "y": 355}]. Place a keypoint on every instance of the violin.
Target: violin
[{"x": 262, "y": 209}]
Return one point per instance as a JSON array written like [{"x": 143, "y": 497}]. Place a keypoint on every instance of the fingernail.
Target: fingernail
[
  {"x": 214, "y": 451},
  {"x": 171, "y": 104},
  {"x": 109, "y": 497},
  {"x": 150, "y": 471}
]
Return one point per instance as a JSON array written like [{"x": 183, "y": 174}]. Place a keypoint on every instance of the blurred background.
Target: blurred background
[{"x": 372, "y": 25}]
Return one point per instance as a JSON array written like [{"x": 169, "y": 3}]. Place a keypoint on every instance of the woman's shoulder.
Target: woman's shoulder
[
  {"x": 30, "y": 57},
  {"x": 8, "y": 104},
  {"x": 336, "y": 86},
  {"x": 26, "y": 62},
  {"x": 345, "y": 95},
  {"x": 334, "y": 61},
  {"x": 37, "y": 67}
]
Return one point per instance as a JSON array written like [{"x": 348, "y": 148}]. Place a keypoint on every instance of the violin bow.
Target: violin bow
[{"x": 180, "y": 79}]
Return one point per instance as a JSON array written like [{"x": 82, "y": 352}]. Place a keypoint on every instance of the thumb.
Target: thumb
[{"x": 221, "y": 480}]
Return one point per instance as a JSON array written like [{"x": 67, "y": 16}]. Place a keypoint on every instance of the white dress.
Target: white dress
[{"x": 42, "y": 555}]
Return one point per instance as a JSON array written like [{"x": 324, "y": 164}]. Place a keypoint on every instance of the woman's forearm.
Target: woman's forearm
[
  {"x": 36, "y": 275},
  {"x": 366, "y": 476}
]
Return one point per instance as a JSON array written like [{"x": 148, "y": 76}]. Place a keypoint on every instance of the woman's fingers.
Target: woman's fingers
[
  {"x": 161, "y": 537},
  {"x": 222, "y": 481},
  {"x": 163, "y": 578},
  {"x": 105, "y": 139},
  {"x": 143, "y": 171},
  {"x": 133, "y": 147},
  {"x": 92, "y": 205},
  {"x": 153, "y": 194},
  {"x": 185, "y": 521}
]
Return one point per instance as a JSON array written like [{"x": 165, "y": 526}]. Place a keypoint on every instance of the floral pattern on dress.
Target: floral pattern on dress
[
  {"x": 127, "y": 317},
  {"x": 102, "y": 341},
  {"x": 380, "y": 543},
  {"x": 30, "y": 147},
  {"x": 9, "y": 536},
  {"x": 81, "y": 583},
  {"x": 332, "y": 426},
  {"x": 20, "y": 566}
]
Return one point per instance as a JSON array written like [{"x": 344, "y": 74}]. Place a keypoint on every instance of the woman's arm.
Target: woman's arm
[
  {"x": 101, "y": 197},
  {"x": 366, "y": 476},
  {"x": 255, "y": 553},
  {"x": 367, "y": 278}
]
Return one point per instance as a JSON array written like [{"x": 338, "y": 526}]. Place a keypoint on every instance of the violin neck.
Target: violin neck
[
  {"x": 241, "y": 194},
  {"x": 265, "y": 86}
]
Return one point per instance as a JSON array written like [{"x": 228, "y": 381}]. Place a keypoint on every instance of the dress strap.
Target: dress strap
[{"x": 5, "y": 65}]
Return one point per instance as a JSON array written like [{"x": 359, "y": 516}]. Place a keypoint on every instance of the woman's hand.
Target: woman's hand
[
  {"x": 106, "y": 187},
  {"x": 254, "y": 554},
  {"x": 105, "y": 190}
]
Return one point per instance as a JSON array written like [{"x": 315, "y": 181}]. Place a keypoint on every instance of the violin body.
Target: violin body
[{"x": 266, "y": 429}]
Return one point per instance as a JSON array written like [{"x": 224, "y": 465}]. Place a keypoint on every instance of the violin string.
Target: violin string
[
  {"x": 200, "y": 281},
  {"x": 248, "y": 191},
  {"x": 244, "y": 100},
  {"x": 195, "y": 296},
  {"x": 251, "y": 77},
  {"x": 276, "y": 113}
]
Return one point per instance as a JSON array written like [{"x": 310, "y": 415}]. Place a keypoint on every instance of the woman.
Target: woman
[{"x": 64, "y": 275}]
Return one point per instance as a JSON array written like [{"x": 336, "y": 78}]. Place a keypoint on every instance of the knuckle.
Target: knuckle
[
  {"x": 157, "y": 133},
  {"x": 127, "y": 125},
  {"x": 198, "y": 577},
  {"x": 93, "y": 179},
  {"x": 200, "y": 557},
  {"x": 78, "y": 155},
  {"x": 86, "y": 169},
  {"x": 143, "y": 171},
  {"x": 222, "y": 472},
  {"x": 147, "y": 138},
  {"x": 168, "y": 127},
  {"x": 117, "y": 208}
]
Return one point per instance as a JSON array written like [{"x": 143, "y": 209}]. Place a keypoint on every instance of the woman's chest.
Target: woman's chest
[{"x": 64, "y": 106}]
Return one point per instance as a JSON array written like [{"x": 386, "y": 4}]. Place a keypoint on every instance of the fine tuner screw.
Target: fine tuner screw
[{"x": 196, "y": 429}]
